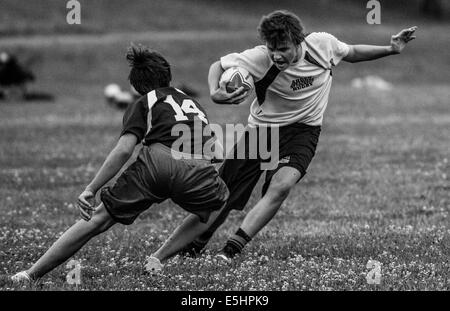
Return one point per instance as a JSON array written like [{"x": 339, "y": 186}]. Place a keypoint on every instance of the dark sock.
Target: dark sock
[{"x": 236, "y": 243}]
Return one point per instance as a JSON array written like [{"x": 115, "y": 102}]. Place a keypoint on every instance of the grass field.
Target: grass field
[{"x": 378, "y": 188}]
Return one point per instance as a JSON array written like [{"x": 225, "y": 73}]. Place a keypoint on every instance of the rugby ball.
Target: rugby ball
[{"x": 235, "y": 77}]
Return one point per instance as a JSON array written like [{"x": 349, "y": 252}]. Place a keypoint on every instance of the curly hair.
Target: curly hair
[
  {"x": 281, "y": 26},
  {"x": 149, "y": 69}
]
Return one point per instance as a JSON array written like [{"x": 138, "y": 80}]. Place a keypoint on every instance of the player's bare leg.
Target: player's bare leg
[
  {"x": 71, "y": 241},
  {"x": 266, "y": 208},
  {"x": 197, "y": 246},
  {"x": 185, "y": 233}
]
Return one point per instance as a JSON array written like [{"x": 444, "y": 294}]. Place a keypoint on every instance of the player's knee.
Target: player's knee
[
  {"x": 101, "y": 219},
  {"x": 278, "y": 190}
]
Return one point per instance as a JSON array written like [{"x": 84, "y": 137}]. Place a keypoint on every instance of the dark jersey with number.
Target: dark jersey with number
[{"x": 168, "y": 116}]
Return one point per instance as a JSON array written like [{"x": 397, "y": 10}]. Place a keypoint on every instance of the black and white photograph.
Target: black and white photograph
[{"x": 209, "y": 146}]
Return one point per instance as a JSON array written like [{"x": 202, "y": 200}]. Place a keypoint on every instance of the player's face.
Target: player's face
[{"x": 283, "y": 54}]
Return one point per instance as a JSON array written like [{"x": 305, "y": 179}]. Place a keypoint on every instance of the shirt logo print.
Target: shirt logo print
[
  {"x": 301, "y": 83},
  {"x": 285, "y": 160}
]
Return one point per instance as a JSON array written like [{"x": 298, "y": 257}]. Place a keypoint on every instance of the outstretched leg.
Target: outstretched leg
[
  {"x": 71, "y": 241},
  {"x": 264, "y": 210},
  {"x": 185, "y": 233},
  {"x": 240, "y": 177}
]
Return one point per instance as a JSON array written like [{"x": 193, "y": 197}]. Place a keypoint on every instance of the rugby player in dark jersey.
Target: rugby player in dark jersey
[{"x": 184, "y": 174}]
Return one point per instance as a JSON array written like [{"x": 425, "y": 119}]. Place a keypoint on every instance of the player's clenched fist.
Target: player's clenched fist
[
  {"x": 221, "y": 96},
  {"x": 85, "y": 204}
]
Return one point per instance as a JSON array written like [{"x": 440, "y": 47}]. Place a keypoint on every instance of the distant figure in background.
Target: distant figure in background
[
  {"x": 13, "y": 76},
  {"x": 121, "y": 99},
  {"x": 14, "y": 79}
]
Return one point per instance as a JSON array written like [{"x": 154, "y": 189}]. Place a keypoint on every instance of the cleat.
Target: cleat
[
  {"x": 227, "y": 253},
  {"x": 153, "y": 265},
  {"x": 21, "y": 278},
  {"x": 223, "y": 257}
]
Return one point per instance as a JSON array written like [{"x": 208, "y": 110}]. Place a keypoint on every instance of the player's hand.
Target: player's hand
[
  {"x": 85, "y": 204},
  {"x": 221, "y": 96},
  {"x": 399, "y": 41}
]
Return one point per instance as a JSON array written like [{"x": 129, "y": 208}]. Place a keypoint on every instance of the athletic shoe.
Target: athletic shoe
[
  {"x": 21, "y": 278},
  {"x": 153, "y": 265},
  {"x": 227, "y": 253},
  {"x": 224, "y": 257}
]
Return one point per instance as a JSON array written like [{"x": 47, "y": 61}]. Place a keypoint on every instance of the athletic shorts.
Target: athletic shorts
[
  {"x": 297, "y": 146},
  {"x": 155, "y": 176}
]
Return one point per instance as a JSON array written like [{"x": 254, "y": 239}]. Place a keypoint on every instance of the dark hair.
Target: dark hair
[
  {"x": 281, "y": 26},
  {"x": 149, "y": 69}
]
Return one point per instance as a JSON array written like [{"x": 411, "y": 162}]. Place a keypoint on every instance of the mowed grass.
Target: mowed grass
[{"x": 377, "y": 189}]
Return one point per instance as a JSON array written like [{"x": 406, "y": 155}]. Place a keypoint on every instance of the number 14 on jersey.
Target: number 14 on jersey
[{"x": 188, "y": 106}]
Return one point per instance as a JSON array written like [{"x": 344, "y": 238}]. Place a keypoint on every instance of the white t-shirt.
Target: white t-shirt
[{"x": 299, "y": 93}]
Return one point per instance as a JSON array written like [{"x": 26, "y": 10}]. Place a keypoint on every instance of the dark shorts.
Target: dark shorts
[
  {"x": 297, "y": 146},
  {"x": 155, "y": 176}
]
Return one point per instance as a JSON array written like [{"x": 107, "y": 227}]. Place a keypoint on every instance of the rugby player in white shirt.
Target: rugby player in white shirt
[{"x": 293, "y": 75}]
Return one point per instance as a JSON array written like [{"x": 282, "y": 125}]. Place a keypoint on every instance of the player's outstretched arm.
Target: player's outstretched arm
[
  {"x": 360, "y": 52},
  {"x": 218, "y": 93},
  {"x": 111, "y": 166}
]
